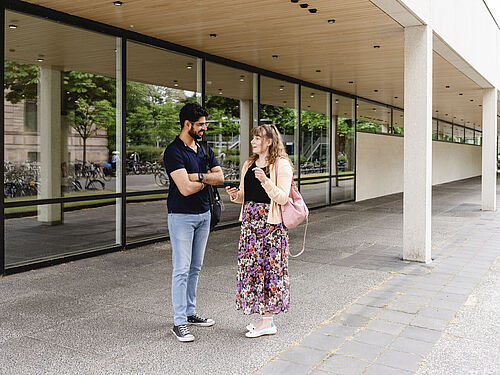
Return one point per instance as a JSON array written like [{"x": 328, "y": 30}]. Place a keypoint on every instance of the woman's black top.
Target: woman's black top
[{"x": 253, "y": 189}]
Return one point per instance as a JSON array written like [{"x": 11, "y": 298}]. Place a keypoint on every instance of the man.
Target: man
[{"x": 189, "y": 214}]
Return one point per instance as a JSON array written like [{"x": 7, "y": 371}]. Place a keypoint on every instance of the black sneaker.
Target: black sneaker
[
  {"x": 196, "y": 320},
  {"x": 182, "y": 333}
]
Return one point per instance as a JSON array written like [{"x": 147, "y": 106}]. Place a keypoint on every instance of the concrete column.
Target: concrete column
[
  {"x": 417, "y": 144},
  {"x": 246, "y": 124},
  {"x": 489, "y": 151},
  {"x": 49, "y": 112}
]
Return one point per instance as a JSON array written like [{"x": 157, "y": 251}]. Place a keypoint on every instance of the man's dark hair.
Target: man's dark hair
[{"x": 192, "y": 112}]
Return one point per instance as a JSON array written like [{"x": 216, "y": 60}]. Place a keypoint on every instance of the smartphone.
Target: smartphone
[{"x": 232, "y": 184}]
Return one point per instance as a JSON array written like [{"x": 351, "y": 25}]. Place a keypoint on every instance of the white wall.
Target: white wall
[
  {"x": 465, "y": 33},
  {"x": 379, "y": 164}
]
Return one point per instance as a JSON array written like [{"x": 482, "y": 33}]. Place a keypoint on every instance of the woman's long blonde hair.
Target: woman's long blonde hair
[{"x": 276, "y": 149}]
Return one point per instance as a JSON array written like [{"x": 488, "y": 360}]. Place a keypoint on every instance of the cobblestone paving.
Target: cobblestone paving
[{"x": 393, "y": 328}]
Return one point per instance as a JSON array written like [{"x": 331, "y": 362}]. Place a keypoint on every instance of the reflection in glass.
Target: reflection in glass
[
  {"x": 469, "y": 136},
  {"x": 59, "y": 110},
  {"x": 445, "y": 131},
  {"x": 398, "y": 122},
  {"x": 458, "y": 134},
  {"x": 85, "y": 226},
  {"x": 229, "y": 98},
  {"x": 159, "y": 83},
  {"x": 373, "y": 118},
  {"x": 343, "y": 152},
  {"x": 343, "y": 188},
  {"x": 315, "y": 145},
  {"x": 146, "y": 217},
  {"x": 434, "y": 129},
  {"x": 279, "y": 106}
]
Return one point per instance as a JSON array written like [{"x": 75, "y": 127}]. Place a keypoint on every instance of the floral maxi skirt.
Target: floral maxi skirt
[{"x": 262, "y": 282}]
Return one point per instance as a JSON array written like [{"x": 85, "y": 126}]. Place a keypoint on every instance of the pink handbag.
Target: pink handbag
[{"x": 294, "y": 211}]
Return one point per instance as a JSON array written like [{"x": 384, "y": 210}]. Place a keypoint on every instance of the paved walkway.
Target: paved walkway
[{"x": 356, "y": 307}]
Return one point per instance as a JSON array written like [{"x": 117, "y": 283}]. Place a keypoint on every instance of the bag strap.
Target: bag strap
[
  {"x": 204, "y": 147},
  {"x": 303, "y": 243}
]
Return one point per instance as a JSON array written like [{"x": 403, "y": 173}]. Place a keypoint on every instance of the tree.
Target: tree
[{"x": 87, "y": 119}]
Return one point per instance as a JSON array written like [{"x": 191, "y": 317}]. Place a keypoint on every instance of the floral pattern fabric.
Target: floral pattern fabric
[{"x": 262, "y": 281}]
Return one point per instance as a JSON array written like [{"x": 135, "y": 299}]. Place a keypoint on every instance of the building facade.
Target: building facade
[{"x": 372, "y": 98}]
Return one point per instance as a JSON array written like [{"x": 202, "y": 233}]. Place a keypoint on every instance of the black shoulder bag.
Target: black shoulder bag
[{"x": 213, "y": 193}]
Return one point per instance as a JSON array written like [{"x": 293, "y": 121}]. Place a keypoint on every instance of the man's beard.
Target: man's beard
[{"x": 193, "y": 134}]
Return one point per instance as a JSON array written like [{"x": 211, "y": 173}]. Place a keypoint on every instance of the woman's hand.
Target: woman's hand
[
  {"x": 259, "y": 174},
  {"x": 232, "y": 191}
]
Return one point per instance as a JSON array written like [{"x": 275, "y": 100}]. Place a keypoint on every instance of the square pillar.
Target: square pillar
[
  {"x": 49, "y": 91},
  {"x": 417, "y": 192},
  {"x": 489, "y": 151}
]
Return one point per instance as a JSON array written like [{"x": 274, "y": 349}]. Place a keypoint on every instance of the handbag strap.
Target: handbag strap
[{"x": 303, "y": 243}]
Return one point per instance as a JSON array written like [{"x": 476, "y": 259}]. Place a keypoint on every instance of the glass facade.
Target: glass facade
[{"x": 85, "y": 126}]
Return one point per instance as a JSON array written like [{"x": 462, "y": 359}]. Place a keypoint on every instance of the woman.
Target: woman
[{"x": 262, "y": 281}]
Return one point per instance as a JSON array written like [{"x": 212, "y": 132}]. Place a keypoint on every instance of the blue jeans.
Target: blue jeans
[{"x": 188, "y": 235}]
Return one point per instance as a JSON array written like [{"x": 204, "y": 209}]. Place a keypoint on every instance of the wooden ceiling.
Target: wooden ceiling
[{"x": 248, "y": 32}]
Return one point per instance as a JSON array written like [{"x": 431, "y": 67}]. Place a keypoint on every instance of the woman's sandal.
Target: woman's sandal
[{"x": 265, "y": 331}]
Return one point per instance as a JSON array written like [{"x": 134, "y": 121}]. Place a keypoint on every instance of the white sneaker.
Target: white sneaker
[
  {"x": 250, "y": 327},
  {"x": 265, "y": 331}
]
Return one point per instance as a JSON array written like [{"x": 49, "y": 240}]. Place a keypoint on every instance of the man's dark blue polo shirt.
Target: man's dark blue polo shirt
[{"x": 179, "y": 156}]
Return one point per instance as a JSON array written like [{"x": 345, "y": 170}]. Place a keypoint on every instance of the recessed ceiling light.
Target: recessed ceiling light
[
  {"x": 480, "y": 105},
  {"x": 12, "y": 26},
  {"x": 189, "y": 66},
  {"x": 331, "y": 20},
  {"x": 308, "y": 106},
  {"x": 437, "y": 111},
  {"x": 304, "y": 5},
  {"x": 351, "y": 82},
  {"x": 213, "y": 35},
  {"x": 454, "y": 116},
  {"x": 117, "y": 3},
  {"x": 312, "y": 95},
  {"x": 209, "y": 82},
  {"x": 318, "y": 70},
  {"x": 220, "y": 91},
  {"x": 446, "y": 114},
  {"x": 39, "y": 59},
  {"x": 242, "y": 78},
  {"x": 460, "y": 94},
  {"x": 294, "y": 1},
  {"x": 313, "y": 10},
  {"x": 336, "y": 100},
  {"x": 284, "y": 101},
  {"x": 375, "y": 90},
  {"x": 282, "y": 88},
  {"x": 447, "y": 87},
  {"x": 132, "y": 26},
  {"x": 175, "y": 83},
  {"x": 275, "y": 56},
  {"x": 376, "y": 46},
  {"x": 395, "y": 97},
  {"x": 374, "y": 109},
  {"x": 345, "y": 113},
  {"x": 472, "y": 100},
  {"x": 12, "y": 50}
]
